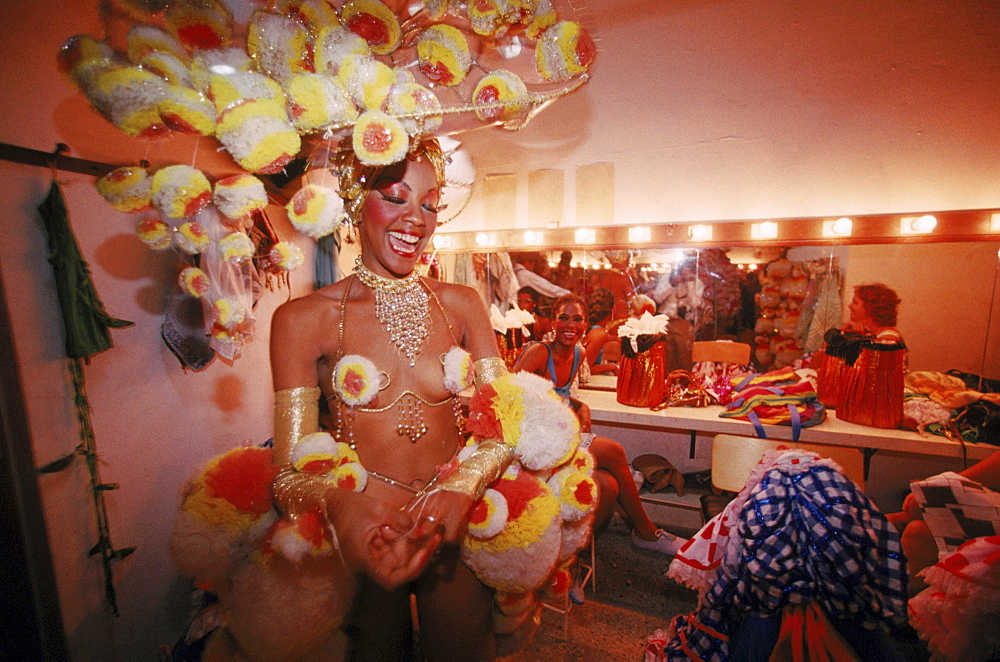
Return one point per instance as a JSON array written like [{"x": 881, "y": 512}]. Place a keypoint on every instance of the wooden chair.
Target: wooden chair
[
  {"x": 721, "y": 351},
  {"x": 717, "y": 351},
  {"x": 734, "y": 457}
]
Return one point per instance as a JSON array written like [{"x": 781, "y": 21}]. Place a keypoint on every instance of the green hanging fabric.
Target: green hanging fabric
[
  {"x": 87, "y": 325},
  {"x": 84, "y": 317}
]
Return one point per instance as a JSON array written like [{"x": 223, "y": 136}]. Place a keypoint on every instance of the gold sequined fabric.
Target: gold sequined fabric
[
  {"x": 479, "y": 470},
  {"x": 296, "y": 414},
  {"x": 489, "y": 370}
]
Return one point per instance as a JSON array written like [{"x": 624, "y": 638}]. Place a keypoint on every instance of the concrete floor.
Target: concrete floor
[{"x": 632, "y": 600}]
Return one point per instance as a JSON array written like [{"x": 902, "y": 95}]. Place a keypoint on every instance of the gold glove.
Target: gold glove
[
  {"x": 296, "y": 414},
  {"x": 479, "y": 470}
]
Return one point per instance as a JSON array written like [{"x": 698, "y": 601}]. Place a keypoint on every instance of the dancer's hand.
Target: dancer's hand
[
  {"x": 386, "y": 545},
  {"x": 443, "y": 513}
]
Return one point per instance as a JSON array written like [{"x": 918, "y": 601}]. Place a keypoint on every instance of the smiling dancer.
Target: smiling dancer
[{"x": 559, "y": 360}]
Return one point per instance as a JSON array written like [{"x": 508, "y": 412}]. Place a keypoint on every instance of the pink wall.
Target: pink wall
[
  {"x": 154, "y": 422},
  {"x": 723, "y": 110},
  {"x": 736, "y": 110}
]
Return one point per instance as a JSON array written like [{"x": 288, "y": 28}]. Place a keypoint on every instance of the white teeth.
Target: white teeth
[{"x": 406, "y": 238}]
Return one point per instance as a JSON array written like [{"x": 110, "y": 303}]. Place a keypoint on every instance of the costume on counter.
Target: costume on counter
[
  {"x": 840, "y": 351},
  {"x": 872, "y": 388},
  {"x": 798, "y": 533}
]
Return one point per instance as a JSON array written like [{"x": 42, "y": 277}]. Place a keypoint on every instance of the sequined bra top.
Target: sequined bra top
[{"x": 408, "y": 405}]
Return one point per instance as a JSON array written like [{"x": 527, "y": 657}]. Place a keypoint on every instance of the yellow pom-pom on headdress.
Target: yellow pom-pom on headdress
[
  {"x": 143, "y": 39},
  {"x": 316, "y": 101},
  {"x": 373, "y": 21},
  {"x": 203, "y": 24},
  {"x": 443, "y": 54},
  {"x": 126, "y": 189},
  {"x": 230, "y": 89},
  {"x": 213, "y": 62},
  {"x": 379, "y": 139},
  {"x": 180, "y": 191},
  {"x": 193, "y": 281},
  {"x": 191, "y": 237},
  {"x": 315, "y": 210},
  {"x": 503, "y": 88},
  {"x": 238, "y": 195},
  {"x": 563, "y": 51},
  {"x": 235, "y": 247},
  {"x": 82, "y": 57},
  {"x": 484, "y": 15},
  {"x": 154, "y": 233},
  {"x": 286, "y": 256},
  {"x": 542, "y": 19},
  {"x": 129, "y": 98},
  {"x": 259, "y": 136},
  {"x": 333, "y": 45},
  {"x": 314, "y": 14},
  {"x": 167, "y": 66},
  {"x": 416, "y": 107},
  {"x": 280, "y": 45},
  {"x": 186, "y": 110},
  {"x": 228, "y": 313},
  {"x": 366, "y": 79}
]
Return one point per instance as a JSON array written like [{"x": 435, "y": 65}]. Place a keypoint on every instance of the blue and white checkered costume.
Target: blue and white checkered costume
[{"x": 805, "y": 534}]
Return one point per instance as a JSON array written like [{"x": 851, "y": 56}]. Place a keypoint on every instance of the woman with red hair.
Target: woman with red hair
[
  {"x": 871, "y": 388},
  {"x": 873, "y": 312}
]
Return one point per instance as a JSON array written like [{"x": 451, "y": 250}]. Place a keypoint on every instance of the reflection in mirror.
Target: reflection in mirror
[{"x": 780, "y": 300}]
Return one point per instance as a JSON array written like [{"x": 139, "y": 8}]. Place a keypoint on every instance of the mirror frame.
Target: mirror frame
[{"x": 954, "y": 225}]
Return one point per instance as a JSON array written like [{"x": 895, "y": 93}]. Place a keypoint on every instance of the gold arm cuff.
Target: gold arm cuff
[
  {"x": 479, "y": 470},
  {"x": 296, "y": 413},
  {"x": 295, "y": 493},
  {"x": 489, "y": 370}
]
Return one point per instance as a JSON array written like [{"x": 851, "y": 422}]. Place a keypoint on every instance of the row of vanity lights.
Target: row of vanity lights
[{"x": 958, "y": 225}]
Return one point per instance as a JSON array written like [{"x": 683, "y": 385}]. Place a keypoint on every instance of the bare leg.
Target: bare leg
[
  {"x": 610, "y": 456},
  {"x": 607, "y": 488},
  {"x": 455, "y": 611}
]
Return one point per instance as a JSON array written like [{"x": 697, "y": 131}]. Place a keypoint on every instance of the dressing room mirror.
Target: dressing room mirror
[{"x": 781, "y": 298}]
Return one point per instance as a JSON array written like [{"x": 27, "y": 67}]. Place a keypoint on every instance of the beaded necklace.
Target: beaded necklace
[{"x": 401, "y": 305}]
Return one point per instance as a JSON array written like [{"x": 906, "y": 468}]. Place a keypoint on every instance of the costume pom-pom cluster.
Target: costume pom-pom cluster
[{"x": 321, "y": 455}]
